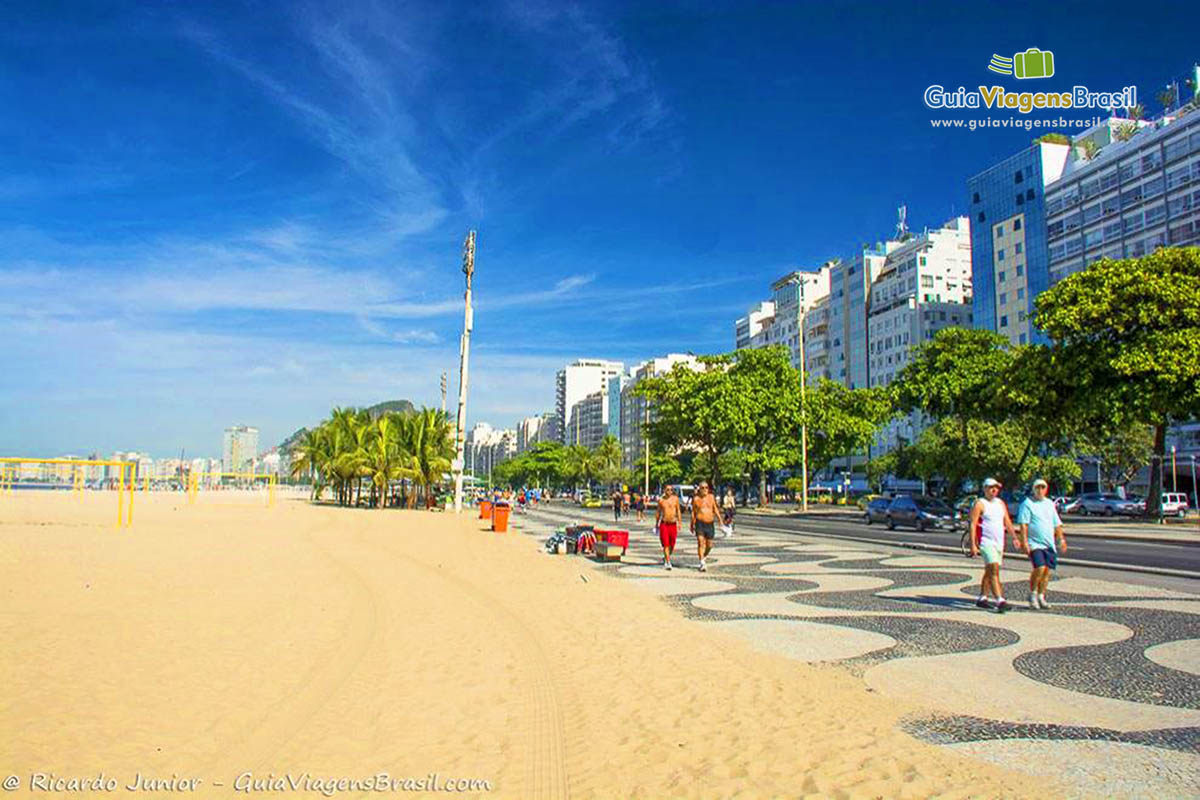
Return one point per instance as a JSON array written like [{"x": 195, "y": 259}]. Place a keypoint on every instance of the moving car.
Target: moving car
[
  {"x": 1108, "y": 504},
  {"x": 1174, "y": 504},
  {"x": 876, "y": 510},
  {"x": 921, "y": 512},
  {"x": 591, "y": 501}
]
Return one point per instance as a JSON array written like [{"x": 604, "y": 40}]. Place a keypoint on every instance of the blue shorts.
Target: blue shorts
[{"x": 1044, "y": 557}]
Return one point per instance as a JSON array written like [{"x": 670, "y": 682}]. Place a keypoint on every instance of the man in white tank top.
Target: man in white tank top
[{"x": 989, "y": 517}]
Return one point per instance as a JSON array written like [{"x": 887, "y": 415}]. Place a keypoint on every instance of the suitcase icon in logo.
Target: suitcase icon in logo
[{"x": 1033, "y": 63}]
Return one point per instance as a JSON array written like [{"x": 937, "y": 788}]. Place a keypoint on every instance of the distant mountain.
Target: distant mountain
[{"x": 403, "y": 406}]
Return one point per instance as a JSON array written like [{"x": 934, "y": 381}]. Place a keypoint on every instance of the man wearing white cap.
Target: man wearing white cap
[
  {"x": 990, "y": 513},
  {"x": 1040, "y": 525}
]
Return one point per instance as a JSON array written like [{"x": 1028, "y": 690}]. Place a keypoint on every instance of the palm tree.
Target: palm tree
[
  {"x": 607, "y": 459},
  {"x": 382, "y": 461},
  {"x": 579, "y": 465},
  {"x": 433, "y": 449},
  {"x": 311, "y": 457}
]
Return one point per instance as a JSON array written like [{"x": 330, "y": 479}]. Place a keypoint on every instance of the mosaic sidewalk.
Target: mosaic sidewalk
[{"x": 1101, "y": 691}]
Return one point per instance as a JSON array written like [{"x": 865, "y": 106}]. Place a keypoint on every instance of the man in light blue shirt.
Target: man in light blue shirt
[{"x": 1040, "y": 525}]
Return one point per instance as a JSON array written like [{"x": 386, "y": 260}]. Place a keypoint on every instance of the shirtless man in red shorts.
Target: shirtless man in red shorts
[{"x": 667, "y": 522}]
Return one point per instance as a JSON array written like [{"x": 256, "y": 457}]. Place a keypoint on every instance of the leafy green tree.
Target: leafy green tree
[
  {"x": 1129, "y": 332},
  {"x": 703, "y": 410},
  {"x": 664, "y": 469},
  {"x": 579, "y": 465},
  {"x": 842, "y": 421},
  {"x": 769, "y": 434}
]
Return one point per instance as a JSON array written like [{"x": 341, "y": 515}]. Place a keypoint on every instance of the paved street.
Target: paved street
[
  {"x": 1101, "y": 691},
  {"x": 1182, "y": 556}
]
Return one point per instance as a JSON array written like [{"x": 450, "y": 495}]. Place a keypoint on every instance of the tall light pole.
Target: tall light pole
[
  {"x": 468, "y": 268},
  {"x": 1174, "y": 476},
  {"x": 1195, "y": 492},
  {"x": 646, "y": 442},
  {"x": 443, "y": 393},
  {"x": 803, "y": 410}
]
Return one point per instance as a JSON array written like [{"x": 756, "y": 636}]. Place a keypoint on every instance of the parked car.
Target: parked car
[
  {"x": 876, "y": 510},
  {"x": 865, "y": 500},
  {"x": 919, "y": 511},
  {"x": 1066, "y": 505},
  {"x": 1174, "y": 505},
  {"x": 1108, "y": 504}
]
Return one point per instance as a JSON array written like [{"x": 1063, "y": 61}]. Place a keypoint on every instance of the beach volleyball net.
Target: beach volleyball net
[
  {"x": 232, "y": 487},
  {"x": 22, "y": 477}
]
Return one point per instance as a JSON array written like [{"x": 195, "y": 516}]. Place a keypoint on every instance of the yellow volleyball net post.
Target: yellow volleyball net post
[{"x": 11, "y": 469}]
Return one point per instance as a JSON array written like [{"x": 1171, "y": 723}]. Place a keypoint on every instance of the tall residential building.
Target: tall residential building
[
  {"x": 576, "y": 381},
  {"x": 779, "y": 320},
  {"x": 529, "y": 432},
  {"x": 750, "y": 326},
  {"x": 849, "y": 289},
  {"x": 240, "y": 448},
  {"x": 486, "y": 448},
  {"x": 633, "y": 407},
  {"x": 1054, "y": 208},
  {"x": 818, "y": 344},
  {"x": 924, "y": 286}
]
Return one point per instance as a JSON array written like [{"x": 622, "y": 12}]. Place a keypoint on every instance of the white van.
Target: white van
[
  {"x": 1174, "y": 504},
  {"x": 685, "y": 492}
]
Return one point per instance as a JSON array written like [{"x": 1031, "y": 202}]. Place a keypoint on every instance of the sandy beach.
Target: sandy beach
[{"x": 225, "y": 639}]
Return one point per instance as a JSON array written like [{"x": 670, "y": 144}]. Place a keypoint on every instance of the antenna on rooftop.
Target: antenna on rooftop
[{"x": 902, "y": 223}]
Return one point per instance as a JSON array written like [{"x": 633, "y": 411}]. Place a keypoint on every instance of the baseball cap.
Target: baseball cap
[
  {"x": 1040, "y": 482},
  {"x": 991, "y": 482}
]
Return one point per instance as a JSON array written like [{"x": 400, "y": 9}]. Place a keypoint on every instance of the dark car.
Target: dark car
[
  {"x": 876, "y": 510},
  {"x": 920, "y": 512}
]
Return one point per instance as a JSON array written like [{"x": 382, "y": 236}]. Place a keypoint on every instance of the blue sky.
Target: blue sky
[{"x": 245, "y": 213}]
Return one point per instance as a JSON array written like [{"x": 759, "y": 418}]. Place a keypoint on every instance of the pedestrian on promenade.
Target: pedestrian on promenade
[
  {"x": 992, "y": 513},
  {"x": 616, "y": 503},
  {"x": 704, "y": 522},
  {"x": 666, "y": 520},
  {"x": 639, "y": 504},
  {"x": 729, "y": 507},
  {"x": 1040, "y": 525}
]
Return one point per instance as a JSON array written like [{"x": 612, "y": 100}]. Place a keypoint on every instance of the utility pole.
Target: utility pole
[
  {"x": 443, "y": 393},
  {"x": 468, "y": 268},
  {"x": 646, "y": 439},
  {"x": 803, "y": 409}
]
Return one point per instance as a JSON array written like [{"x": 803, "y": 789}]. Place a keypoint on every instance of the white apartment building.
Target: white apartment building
[
  {"x": 818, "y": 344},
  {"x": 486, "y": 448},
  {"x": 529, "y": 432},
  {"x": 240, "y": 448},
  {"x": 779, "y": 320},
  {"x": 576, "y": 381},
  {"x": 633, "y": 407},
  {"x": 751, "y": 325},
  {"x": 924, "y": 286}
]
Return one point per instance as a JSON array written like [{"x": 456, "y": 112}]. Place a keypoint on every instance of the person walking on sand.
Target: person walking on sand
[
  {"x": 704, "y": 522},
  {"x": 666, "y": 520},
  {"x": 1040, "y": 525},
  {"x": 992, "y": 514}
]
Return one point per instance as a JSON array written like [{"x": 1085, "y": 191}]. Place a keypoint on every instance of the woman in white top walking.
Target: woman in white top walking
[{"x": 990, "y": 514}]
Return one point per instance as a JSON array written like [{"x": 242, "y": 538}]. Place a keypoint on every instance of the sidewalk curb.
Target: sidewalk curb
[
  {"x": 1074, "y": 532},
  {"x": 1070, "y": 562}
]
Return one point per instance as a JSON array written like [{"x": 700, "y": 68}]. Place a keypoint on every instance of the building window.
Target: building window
[
  {"x": 975, "y": 198},
  {"x": 1000, "y": 254},
  {"x": 1016, "y": 224},
  {"x": 1020, "y": 270},
  {"x": 926, "y": 281},
  {"x": 999, "y": 230},
  {"x": 1020, "y": 294},
  {"x": 1003, "y": 298},
  {"x": 1018, "y": 249},
  {"x": 1018, "y": 178},
  {"x": 1029, "y": 195},
  {"x": 982, "y": 217},
  {"x": 1000, "y": 276},
  {"x": 1004, "y": 321}
]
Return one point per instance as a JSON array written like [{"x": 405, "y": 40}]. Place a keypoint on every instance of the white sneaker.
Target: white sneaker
[
  {"x": 1033, "y": 602},
  {"x": 667, "y": 566},
  {"x": 703, "y": 567},
  {"x": 1042, "y": 601}
]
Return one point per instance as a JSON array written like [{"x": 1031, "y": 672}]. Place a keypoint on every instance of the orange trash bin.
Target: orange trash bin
[
  {"x": 500, "y": 518},
  {"x": 485, "y": 509}
]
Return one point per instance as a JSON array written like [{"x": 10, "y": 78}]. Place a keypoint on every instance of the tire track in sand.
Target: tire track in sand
[{"x": 546, "y": 770}]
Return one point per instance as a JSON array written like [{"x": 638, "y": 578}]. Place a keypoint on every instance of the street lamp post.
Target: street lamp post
[
  {"x": 1195, "y": 493},
  {"x": 1174, "y": 475},
  {"x": 468, "y": 269},
  {"x": 803, "y": 410}
]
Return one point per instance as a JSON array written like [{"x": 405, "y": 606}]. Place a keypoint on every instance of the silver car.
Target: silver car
[{"x": 1108, "y": 505}]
